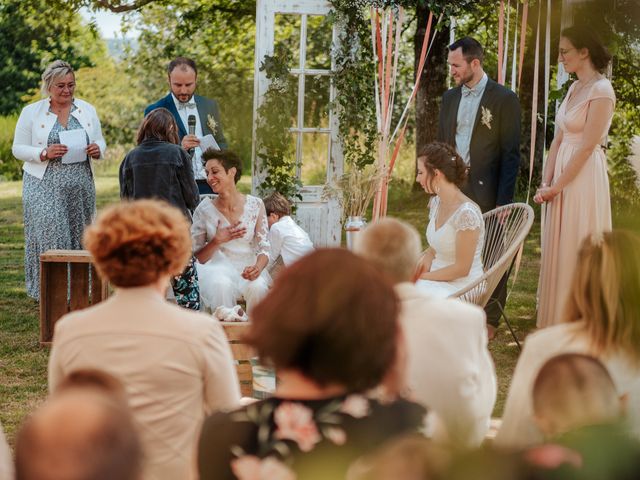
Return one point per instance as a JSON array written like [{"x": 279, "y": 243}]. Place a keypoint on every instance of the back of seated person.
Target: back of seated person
[
  {"x": 331, "y": 338},
  {"x": 578, "y": 409},
  {"x": 175, "y": 364},
  {"x": 289, "y": 242},
  {"x": 574, "y": 390},
  {"x": 449, "y": 367},
  {"x": 79, "y": 434}
]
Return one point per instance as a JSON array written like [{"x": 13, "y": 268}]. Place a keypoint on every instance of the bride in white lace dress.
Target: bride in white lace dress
[
  {"x": 455, "y": 232},
  {"x": 230, "y": 238}
]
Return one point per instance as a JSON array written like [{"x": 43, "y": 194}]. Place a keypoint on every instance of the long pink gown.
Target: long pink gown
[{"x": 583, "y": 208}]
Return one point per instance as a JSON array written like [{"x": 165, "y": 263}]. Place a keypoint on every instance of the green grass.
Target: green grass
[{"x": 23, "y": 363}]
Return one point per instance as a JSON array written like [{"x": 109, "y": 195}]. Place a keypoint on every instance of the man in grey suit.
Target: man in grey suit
[
  {"x": 481, "y": 119},
  {"x": 182, "y": 102}
]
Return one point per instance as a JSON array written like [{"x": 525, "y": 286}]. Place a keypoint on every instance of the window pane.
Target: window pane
[
  {"x": 315, "y": 156},
  {"x": 316, "y": 101},
  {"x": 287, "y": 33},
  {"x": 318, "y": 42}
]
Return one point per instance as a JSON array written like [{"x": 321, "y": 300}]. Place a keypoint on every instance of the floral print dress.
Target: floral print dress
[
  {"x": 280, "y": 439},
  {"x": 56, "y": 208}
]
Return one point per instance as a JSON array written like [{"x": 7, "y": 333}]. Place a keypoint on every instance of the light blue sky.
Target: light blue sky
[{"x": 108, "y": 23}]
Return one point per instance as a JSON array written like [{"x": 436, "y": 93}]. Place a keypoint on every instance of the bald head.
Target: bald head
[
  {"x": 572, "y": 391},
  {"x": 79, "y": 434},
  {"x": 393, "y": 246}
]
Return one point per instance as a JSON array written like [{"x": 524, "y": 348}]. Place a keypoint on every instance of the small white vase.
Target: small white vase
[{"x": 353, "y": 226}]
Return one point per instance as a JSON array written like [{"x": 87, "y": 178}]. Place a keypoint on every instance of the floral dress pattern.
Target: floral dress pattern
[
  {"x": 280, "y": 439},
  {"x": 56, "y": 208}
]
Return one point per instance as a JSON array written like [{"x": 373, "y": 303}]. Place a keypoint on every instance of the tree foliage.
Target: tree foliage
[{"x": 31, "y": 37}]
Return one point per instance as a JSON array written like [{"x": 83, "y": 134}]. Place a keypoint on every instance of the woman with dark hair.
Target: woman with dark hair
[
  {"x": 159, "y": 168},
  {"x": 575, "y": 187},
  {"x": 455, "y": 232},
  {"x": 331, "y": 337},
  {"x": 230, "y": 240}
]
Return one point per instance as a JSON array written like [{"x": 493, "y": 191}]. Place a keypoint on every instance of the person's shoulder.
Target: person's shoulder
[
  {"x": 35, "y": 106},
  {"x": 452, "y": 92},
  {"x": 206, "y": 100},
  {"x": 402, "y": 413},
  {"x": 553, "y": 334},
  {"x": 603, "y": 88},
  {"x": 205, "y": 206},
  {"x": 162, "y": 102}
]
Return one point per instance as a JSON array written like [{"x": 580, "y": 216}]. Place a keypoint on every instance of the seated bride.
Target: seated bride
[
  {"x": 455, "y": 232},
  {"x": 230, "y": 239}
]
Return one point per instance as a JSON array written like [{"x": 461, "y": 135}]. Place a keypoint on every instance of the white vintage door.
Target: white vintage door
[{"x": 303, "y": 26}]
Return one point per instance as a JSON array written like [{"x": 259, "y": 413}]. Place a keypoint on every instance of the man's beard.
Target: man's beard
[{"x": 465, "y": 79}]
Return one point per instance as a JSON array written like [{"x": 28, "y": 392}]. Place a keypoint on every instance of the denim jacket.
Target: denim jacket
[{"x": 157, "y": 169}]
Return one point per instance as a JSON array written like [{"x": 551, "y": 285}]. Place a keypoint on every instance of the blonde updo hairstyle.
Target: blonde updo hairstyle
[
  {"x": 605, "y": 292},
  {"x": 443, "y": 157},
  {"x": 133, "y": 244},
  {"x": 55, "y": 70}
]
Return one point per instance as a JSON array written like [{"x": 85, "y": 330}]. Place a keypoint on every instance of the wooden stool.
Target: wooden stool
[
  {"x": 242, "y": 354},
  {"x": 68, "y": 282}
]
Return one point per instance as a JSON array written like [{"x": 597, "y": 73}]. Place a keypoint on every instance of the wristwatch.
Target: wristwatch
[{"x": 43, "y": 155}]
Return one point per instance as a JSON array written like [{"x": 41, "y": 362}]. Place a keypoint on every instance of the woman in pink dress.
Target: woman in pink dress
[{"x": 575, "y": 186}]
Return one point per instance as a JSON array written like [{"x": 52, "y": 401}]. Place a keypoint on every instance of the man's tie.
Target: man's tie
[
  {"x": 186, "y": 105},
  {"x": 466, "y": 91}
]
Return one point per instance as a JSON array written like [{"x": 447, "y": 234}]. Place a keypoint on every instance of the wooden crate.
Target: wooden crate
[
  {"x": 242, "y": 354},
  {"x": 68, "y": 282}
]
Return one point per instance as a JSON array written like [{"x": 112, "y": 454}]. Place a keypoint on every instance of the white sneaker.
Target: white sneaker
[{"x": 235, "y": 314}]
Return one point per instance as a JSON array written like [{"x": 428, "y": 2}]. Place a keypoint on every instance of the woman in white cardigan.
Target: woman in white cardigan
[
  {"x": 58, "y": 198},
  {"x": 602, "y": 319}
]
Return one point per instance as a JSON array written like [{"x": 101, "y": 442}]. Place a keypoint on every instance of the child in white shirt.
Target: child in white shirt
[{"x": 288, "y": 241}]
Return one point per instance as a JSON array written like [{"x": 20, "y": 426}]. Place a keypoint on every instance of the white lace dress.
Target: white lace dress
[
  {"x": 221, "y": 283},
  {"x": 443, "y": 240}
]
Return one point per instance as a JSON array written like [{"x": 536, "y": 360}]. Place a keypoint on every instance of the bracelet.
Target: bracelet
[{"x": 544, "y": 185}]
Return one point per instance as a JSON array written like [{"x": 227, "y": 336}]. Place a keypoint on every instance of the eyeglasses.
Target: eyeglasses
[{"x": 563, "y": 51}]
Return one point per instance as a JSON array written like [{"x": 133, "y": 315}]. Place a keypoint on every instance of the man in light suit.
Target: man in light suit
[
  {"x": 481, "y": 119},
  {"x": 449, "y": 368},
  {"x": 182, "y": 102}
]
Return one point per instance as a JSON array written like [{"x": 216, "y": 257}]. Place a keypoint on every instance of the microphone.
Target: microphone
[{"x": 191, "y": 122}]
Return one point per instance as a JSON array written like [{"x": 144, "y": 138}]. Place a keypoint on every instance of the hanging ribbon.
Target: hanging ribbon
[
  {"x": 534, "y": 106},
  {"x": 514, "y": 62},
  {"x": 500, "y": 45},
  {"x": 523, "y": 35},
  {"x": 506, "y": 43}
]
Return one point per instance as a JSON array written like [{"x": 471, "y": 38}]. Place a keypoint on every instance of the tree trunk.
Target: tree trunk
[{"x": 433, "y": 82}]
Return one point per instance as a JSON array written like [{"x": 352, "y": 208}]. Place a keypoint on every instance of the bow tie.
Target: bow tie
[
  {"x": 186, "y": 105},
  {"x": 466, "y": 91}
]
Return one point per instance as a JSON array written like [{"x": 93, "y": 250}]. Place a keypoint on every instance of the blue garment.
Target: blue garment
[{"x": 467, "y": 111}]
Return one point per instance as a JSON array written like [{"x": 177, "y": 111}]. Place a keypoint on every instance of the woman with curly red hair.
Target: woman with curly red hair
[{"x": 175, "y": 364}]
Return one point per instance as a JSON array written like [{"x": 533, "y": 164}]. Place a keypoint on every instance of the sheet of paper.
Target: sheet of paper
[
  {"x": 76, "y": 142},
  {"x": 208, "y": 142}
]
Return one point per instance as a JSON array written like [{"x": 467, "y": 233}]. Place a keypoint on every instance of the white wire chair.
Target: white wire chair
[{"x": 506, "y": 228}]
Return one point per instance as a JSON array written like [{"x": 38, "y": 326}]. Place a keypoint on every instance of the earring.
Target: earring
[{"x": 436, "y": 189}]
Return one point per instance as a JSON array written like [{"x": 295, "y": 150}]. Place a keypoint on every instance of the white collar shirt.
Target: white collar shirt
[
  {"x": 184, "y": 112},
  {"x": 467, "y": 112},
  {"x": 289, "y": 240}
]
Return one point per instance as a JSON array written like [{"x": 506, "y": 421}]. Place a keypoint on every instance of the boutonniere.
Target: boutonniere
[
  {"x": 486, "y": 117},
  {"x": 211, "y": 122}
]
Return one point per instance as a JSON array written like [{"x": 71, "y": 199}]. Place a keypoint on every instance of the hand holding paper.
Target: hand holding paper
[{"x": 76, "y": 142}]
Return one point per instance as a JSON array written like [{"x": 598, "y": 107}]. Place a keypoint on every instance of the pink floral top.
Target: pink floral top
[{"x": 280, "y": 439}]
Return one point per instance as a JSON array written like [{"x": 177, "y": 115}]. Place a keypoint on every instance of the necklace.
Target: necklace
[{"x": 582, "y": 86}]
